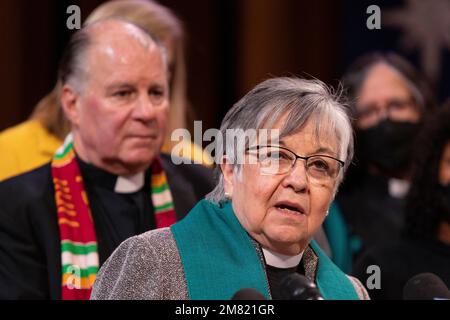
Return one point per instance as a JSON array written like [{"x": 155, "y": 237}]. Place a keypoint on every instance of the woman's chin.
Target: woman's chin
[
  {"x": 285, "y": 239},
  {"x": 290, "y": 232}
]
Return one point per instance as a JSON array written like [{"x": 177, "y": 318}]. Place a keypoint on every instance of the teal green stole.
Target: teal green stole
[{"x": 219, "y": 258}]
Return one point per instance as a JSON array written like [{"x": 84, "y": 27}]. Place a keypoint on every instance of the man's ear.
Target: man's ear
[
  {"x": 227, "y": 171},
  {"x": 69, "y": 102}
]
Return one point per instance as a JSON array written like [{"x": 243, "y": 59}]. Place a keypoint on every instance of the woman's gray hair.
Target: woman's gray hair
[{"x": 297, "y": 99}]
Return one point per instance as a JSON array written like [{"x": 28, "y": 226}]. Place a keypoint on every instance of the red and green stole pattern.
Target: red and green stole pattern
[{"x": 79, "y": 254}]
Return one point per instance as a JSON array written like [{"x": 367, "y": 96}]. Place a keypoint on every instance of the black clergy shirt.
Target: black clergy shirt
[
  {"x": 276, "y": 276},
  {"x": 117, "y": 216}
]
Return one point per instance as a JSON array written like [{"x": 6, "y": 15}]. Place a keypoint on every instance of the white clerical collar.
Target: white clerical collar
[
  {"x": 398, "y": 188},
  {"x": 129, "y": 184},
  {"x": 279, "y": 260}
]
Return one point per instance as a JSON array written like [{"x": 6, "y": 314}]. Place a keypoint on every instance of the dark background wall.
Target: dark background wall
[{"x": 231, "y": 46}]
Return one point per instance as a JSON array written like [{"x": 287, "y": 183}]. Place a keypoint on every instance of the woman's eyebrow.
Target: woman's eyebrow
[{"x": 322, "y": 150}]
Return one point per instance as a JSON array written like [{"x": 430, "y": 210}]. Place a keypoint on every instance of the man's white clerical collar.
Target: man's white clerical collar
[
  {"x": 282, "y": 261},
  {"x": 129, "y": 184}
]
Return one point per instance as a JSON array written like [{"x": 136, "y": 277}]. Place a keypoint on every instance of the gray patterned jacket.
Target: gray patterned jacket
[{"x": 148, "y": 266}]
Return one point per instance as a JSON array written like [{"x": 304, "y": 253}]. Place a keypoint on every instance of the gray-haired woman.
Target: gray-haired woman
[{"x": 256, "y": 227}]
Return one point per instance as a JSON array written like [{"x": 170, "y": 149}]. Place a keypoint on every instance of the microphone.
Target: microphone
[
  {"x": 425, "y": 286},
  {"x": 298, "y": 287},
  {"x": 248, "y": 294}
]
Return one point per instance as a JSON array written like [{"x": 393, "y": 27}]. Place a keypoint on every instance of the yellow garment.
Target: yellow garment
[
  {"x": 25, "y": 147},
  {"x": 190, "y": 150},
  {"x": 29, "y": 145}
]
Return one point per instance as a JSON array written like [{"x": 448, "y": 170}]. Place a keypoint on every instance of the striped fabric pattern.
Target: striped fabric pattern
[
  {"x": 161, "y": 197},
  {"x": 79, "y": 251}
]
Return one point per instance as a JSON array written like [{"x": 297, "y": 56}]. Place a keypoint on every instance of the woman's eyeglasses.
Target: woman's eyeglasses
[{"x": 274, "y": 160}]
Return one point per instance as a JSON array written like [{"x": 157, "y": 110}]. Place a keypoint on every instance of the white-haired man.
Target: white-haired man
[{"x": 108, "y": 182}]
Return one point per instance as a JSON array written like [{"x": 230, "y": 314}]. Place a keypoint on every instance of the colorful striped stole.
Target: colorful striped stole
[{"x": 79, "y": 252}]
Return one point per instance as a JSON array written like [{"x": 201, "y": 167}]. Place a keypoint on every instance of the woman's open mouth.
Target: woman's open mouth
[{"x": 289, "y": 207}]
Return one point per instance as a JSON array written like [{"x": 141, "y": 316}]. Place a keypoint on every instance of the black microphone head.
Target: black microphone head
[
  {"x": 298, "y": 287},
  {"x": 425, "y": 286},
  {"x": 248, "y": 294}
]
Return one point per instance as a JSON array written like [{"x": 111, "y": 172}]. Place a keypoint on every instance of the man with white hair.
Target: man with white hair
[{"x": 108, "y": 182}]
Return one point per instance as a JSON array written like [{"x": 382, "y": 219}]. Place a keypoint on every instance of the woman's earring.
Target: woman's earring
[
  {"x": 227, "y": 196},
  {"x": 326, "y": 214}
]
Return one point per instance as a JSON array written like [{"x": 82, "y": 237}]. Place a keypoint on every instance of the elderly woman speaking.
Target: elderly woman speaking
[{"x": 255, "y": 228}]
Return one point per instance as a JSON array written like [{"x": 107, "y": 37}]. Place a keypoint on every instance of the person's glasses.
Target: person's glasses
[
  {"x": 393, "y": 109},
  {"x": 274, "y": 160}
]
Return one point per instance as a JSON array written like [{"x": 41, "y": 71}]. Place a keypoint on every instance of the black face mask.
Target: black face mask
[
  {"x": 388, "y": 145},
  {"x": 444, "y": 202}
]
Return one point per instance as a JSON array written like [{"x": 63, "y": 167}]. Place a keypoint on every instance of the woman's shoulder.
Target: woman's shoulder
[
  {"x": 24, "y": 147},
  {"x": 28, "y": 133},
  {"x": 154, "y": 237},
  {"x": 146, "y": 266},
  {"x": 21, "y": 130},
  {"x": 361, "y": 291},
  {"x": 148, "y": 246}
]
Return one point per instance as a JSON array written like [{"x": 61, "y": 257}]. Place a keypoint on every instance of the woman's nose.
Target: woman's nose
[{"x": 297, "y": 178}]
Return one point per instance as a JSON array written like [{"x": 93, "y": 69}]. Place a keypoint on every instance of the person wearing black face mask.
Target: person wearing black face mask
[
  {"x": 387, "y": 146},
  {"x": 425, "y": 243},
  {"x": 389, "y": 100}
]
